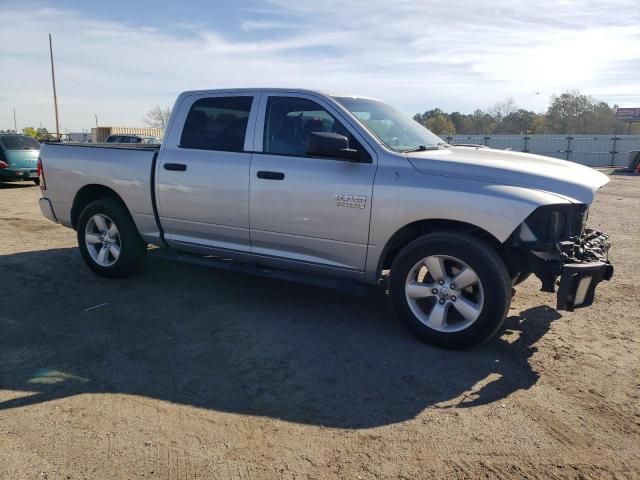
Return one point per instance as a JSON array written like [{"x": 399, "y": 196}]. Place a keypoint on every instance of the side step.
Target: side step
[{"x": 349, "y": 287}]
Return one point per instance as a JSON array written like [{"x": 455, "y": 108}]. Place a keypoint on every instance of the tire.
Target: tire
[
  {"x": 447, "y": 316},
  {"x": 36, "y": 181},
  {"x": 130, "y": 247}
]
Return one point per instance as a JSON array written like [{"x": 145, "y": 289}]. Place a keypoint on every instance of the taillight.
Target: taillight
[
  {"x": 43, "y": 185},
  {"x": 4, "y": 164}
]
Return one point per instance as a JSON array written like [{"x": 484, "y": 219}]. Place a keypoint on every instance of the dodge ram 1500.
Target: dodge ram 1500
[{"x": 322, "y": 186}]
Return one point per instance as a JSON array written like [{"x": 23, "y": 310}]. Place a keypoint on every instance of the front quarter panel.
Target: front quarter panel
[{"x": 402, "y": 196}]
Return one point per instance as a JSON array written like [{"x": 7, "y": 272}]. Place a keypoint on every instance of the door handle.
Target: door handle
[
  {"x": 271, "y": 175},
  {"x": 176, "y": 167}
]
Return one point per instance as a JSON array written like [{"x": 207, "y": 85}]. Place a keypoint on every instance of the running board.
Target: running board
[{"x": 349, "y": 287}]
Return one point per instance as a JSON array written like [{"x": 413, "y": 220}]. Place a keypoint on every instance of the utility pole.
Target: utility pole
[
  {"x": 55, "y": 96},
  {"x": 96, "y": 121},
  {"x": 15, "y": 124}
]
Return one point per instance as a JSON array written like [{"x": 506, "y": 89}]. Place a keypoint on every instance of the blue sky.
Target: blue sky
[{"x": 118, "y": 59}]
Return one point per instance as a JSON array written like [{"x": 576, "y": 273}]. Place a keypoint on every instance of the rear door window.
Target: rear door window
[{"x": 217, "y": 123}]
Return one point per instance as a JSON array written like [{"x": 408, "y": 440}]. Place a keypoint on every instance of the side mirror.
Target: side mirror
[{"x": 334, "y": 145}]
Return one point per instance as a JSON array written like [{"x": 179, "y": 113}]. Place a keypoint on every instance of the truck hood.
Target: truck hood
[{"x": 569, "y": 180}]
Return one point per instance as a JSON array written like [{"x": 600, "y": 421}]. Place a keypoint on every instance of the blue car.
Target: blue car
[{"x": 19, "y": 158}]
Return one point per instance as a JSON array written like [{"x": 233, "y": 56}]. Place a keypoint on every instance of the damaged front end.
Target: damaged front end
[
  {"x": 554, "y": 244},
  {"x": 585, "y": 265}
]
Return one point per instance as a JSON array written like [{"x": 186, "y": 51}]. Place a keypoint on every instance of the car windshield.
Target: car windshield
[
  {"x": 394, "y": 129},
  {"x": 19, "y": 142}
]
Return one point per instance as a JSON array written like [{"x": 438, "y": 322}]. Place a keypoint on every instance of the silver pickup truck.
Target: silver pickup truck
[{"x": 318, "y": 187}]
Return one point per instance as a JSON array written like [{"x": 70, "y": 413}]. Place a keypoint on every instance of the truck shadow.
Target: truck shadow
[
  {"x": 240, "y": 344},
  {"x": 21, "y": 184}
]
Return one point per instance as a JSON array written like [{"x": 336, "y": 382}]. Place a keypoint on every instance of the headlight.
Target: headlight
[
  {"x": 585, "y": 217},
  {"x": 557, "y": 222},
  {"x": 557, "y": 225}
]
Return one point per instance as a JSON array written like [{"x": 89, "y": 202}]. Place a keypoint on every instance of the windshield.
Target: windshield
[
  {"x": 19, "y": 142},
  {"x": 395, "y": 130}
]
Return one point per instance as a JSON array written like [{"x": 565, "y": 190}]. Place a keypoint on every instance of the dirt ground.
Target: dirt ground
[{"x": 190, "y": 372}]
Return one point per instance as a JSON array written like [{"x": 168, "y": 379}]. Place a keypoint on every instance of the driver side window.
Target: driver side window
[{"x": 290, "y": 120}]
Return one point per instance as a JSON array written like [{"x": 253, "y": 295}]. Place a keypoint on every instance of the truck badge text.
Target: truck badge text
[{"x": 350, "y": 201}]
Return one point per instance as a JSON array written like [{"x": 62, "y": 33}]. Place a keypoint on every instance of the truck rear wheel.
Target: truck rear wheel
[
  {"x": 451, "y": 289},
  {"x": 109, "y": 240}
]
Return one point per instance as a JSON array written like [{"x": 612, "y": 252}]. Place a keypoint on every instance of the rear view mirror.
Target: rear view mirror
[{"x": 333, "y": 145}]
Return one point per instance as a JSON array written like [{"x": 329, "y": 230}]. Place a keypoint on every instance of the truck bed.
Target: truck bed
[{"x": 127, "y": 169}]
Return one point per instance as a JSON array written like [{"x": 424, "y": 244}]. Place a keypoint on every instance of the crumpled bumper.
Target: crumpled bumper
[{"x": 585, "y": 264}]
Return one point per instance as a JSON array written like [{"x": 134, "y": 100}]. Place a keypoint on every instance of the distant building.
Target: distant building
[
  {"x": 80, "y": 137},
  {"x": 100, "y": 134}
]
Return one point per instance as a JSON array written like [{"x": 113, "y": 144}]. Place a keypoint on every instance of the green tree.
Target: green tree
[
  {"x": 423, "y": 117},
  {"x": 538, "y": 125},
  {"x": 483, "y": 122},
  {"x": 572, "y": 112},
  {"x": 463, "y": 123},
  {"x": 568, "y": 113},
  {"x": 440, "y": 125},
  {"x": 30, "y": 131},
  {"x": 43, "y": 135},
  {"x": 521, "y": 121}
]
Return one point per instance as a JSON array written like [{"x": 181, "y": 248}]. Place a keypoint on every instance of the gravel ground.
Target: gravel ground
[{"x": 190, "y": 372}]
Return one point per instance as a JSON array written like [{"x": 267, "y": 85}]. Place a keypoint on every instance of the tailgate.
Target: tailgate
[{"x": 22, "y": 159}]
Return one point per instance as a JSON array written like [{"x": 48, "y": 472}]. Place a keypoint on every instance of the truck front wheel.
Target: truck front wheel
[
  {"x": 451, "y": 289},
  {"x": 109, "y": 240}
]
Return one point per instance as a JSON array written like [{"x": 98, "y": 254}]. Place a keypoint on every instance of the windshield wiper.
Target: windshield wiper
[{"x": 422, "y": 148}]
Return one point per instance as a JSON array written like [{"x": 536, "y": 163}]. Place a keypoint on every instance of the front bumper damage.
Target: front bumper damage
[
  {"x": 585, "y": 265},
  {"x": 577, "y": 265}
]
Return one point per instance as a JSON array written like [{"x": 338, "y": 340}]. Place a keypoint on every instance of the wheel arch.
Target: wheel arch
[
  {"x": 90, "y": 193},
  {"x": 411, "y": 231}
]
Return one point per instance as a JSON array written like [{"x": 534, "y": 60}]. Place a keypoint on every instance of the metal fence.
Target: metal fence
[{"x": 592, "y": 150}]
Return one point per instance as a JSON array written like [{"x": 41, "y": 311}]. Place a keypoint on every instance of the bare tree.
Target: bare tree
[
  {"x": 502, "y": 109},
  {"x": 157, "y": 117}
]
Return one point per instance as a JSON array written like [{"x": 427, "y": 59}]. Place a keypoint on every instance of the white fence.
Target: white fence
[{"x": 592, "y": 150}]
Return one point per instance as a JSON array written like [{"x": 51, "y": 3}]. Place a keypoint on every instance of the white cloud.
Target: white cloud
[{"x": 412, "y": 54}]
